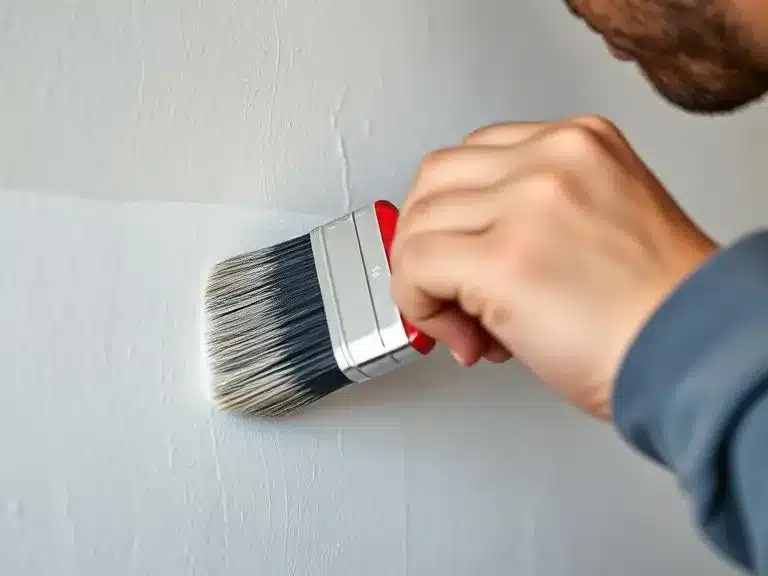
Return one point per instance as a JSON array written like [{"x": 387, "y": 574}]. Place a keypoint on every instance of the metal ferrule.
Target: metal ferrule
[{"x": 366, "y": 331}]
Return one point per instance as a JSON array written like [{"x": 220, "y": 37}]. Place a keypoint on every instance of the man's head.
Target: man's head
[{"x": 701, "y": 55}]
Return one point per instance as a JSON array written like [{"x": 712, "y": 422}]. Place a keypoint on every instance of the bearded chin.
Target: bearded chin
[{"x": 688, "y": 95}]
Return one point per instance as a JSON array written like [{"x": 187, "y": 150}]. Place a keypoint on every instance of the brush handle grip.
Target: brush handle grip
[{"x": 386, "y": 216}]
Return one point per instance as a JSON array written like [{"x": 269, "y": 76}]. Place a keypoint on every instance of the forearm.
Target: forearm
[{"x": 693, "y": 395}]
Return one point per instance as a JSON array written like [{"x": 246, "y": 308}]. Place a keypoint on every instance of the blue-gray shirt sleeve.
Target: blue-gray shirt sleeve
[{"x": 692, "y": 394}]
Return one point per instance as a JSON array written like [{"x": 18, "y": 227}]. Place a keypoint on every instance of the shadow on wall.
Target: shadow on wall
[{"x": 433, "y": 381}]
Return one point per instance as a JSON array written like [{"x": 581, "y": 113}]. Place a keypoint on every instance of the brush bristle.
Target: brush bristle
[{"x": 268, "y": 346}]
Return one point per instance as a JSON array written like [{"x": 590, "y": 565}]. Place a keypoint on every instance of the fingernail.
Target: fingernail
[
  {"x": 459, "y": 358},
  {"x": 497, "y": 356}
]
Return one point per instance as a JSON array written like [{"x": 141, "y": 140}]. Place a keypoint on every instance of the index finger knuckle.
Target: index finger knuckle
[
  {"x": 546, "y": 191},
  {"x": 435, "y": 161},
  {"x": 578, "y": 141},
  {"x": 599, "y": 124},
  {"x": 418, "y": 210},
  {"x": 484, "y": 133},
  {"x": 432, "y": 165}
]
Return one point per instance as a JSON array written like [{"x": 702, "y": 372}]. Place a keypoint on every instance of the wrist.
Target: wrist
[{"x": 645, "y": 304}]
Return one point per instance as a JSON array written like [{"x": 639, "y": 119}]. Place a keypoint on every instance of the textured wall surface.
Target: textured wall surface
[
  {"x": 303, "y": 105},
  {"x": 112, "y": 461}
]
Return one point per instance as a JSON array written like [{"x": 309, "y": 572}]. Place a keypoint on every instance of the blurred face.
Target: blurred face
[{"x": 701, "y": 55}]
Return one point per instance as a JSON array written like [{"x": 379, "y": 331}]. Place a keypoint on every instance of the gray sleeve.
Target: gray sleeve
[{"x": 692, "y": 395}]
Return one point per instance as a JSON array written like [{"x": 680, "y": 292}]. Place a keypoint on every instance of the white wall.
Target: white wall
[{"x": 113, "y": 464}]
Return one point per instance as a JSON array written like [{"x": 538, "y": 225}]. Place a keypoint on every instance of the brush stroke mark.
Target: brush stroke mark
[
  {"x": 340, "y": 442},
  {"x": 122, "y": 434},
  {"x": 251, "y": 93},
  {"x": 137, "y": 22},
  {"x": 314, "y": 459},
  {"x": 170, "y": 448},
  {"x": 405, "y": 499},
  {"x": 292, "y": 58},
  {"x": 222, "y": 495},
  {"x": 136, "y": 19},
  {"x": 275, "y": 77},
  {"x": 135, "y": 544},
  {"x": 13, "y": 508},
  {"x": 341, "y": 151},
  {"x": 344, "y": 488},
  {"x": 266, "y": 485},
  {"x": 273, "y": 97},
  {"x": 189, "y": 559},
  {"x": 286, "y": 517},
  {"x": 7, "y": 15},
  {"x": 69, "y": 521},
  {"x": 530, "y": 542},
  {"x": 300, "y": 500}
]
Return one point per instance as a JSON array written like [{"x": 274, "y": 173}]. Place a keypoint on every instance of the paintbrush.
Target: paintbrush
[{"x": 292, "y": 323}]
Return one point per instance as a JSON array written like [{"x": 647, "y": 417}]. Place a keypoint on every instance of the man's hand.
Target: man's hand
[{"x": 552, "y": 242}]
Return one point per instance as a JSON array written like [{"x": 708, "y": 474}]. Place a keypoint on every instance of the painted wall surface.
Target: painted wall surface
[
  {"x": 114, "y": 463},
  {"x": 182, "y": 125}
]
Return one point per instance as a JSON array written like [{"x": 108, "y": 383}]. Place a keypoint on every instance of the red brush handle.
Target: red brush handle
[{"x": 386, "y": 215}]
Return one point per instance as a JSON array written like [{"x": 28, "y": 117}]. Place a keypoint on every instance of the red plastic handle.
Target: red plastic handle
[{"x": 386, "y": 215}]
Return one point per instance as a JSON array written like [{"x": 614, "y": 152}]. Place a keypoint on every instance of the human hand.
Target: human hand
[{"x": 549, "y": 241}]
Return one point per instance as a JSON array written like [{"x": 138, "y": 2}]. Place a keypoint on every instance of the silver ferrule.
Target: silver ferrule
[{"x": 366, "y": 331}]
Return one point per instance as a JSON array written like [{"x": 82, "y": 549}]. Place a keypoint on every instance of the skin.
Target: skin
[
  {"x": 705, "y": 56},
  {"x": 552, "y": 241}
]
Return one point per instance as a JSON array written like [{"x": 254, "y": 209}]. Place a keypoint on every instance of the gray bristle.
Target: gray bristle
[{"x": 267, "y": 342}]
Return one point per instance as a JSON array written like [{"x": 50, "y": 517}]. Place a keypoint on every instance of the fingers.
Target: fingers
[
  {"x": 465, "y": 337},
  {"x": 461, "y": 189},
  {"x": 462, "y": 334},
  {"x": 468, "y": 168},
  {"x": 440, "y": 253},
  {"x": 513, "y": 133},
  {"x": 575, "y": 146},
  {"x": 496, "y": 353},
  {"x": 459, "y": 172},
  {"x": 469, "y": 211},
  {"x": 507, "y": 134},
  {"x": 448, "y": 181},
  {"x": 428, "y": 279},
  {"x": 491, "y": 154}
]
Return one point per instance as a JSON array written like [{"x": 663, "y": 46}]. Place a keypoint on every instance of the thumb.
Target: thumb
[{"x": 429, "y": 275}]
